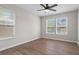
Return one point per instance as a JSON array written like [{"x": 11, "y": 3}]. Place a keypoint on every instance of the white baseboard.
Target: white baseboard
[
  {"x": 20, "y": 43},
  {"x": 60, "y": 39}
]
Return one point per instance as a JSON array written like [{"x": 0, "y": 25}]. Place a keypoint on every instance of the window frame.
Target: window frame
[
  {"x": 47, "y": 27},
  {"x": 64, "y": 26},
  {"x": 56, "y": 32}
]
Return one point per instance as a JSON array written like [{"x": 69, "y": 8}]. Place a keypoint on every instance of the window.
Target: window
[
  {"x": 7, "y": 23},
  {"x": 57, "y": 26},
  {"x": 51, "y": 26}
]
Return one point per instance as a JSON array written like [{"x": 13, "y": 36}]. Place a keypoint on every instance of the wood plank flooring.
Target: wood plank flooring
[{"x": 43, "y": 47}]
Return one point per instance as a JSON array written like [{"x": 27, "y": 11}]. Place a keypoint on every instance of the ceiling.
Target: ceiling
[{"x": 60, "y": 8}]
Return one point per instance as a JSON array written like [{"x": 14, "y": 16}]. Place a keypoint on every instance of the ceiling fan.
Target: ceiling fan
[{"x": 47, "y": 8}]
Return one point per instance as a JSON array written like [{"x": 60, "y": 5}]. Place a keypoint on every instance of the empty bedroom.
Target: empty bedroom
[{"x": 39, "y": 29}]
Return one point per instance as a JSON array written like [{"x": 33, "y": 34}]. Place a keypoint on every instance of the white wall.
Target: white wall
[
  {"x": 72, "y": 27},
  {"x": 27, "y": 27}
]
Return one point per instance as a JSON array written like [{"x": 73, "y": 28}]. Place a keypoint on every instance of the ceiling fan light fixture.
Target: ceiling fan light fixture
[{"x": 46, "y": 10}]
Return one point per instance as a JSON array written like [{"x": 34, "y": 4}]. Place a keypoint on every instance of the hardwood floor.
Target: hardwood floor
[{"x": 43, "y": 47}]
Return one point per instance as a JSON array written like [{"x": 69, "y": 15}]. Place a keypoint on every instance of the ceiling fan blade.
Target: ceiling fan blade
[
  {"x": 42, "y": 5},
  {"x": 53, "y": 5},
  {"x": 40, "y": 9},
  {"x": 52, "y": 9}
]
